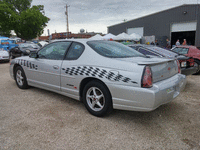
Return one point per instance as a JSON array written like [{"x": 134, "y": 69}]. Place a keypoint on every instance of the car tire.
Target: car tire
[
  {"x": 198, "y": 70},
  {"x": 20, "y": 78},
  {"x": 97, "y": 98}
]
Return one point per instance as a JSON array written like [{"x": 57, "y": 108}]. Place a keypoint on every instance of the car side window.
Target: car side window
[
  {"x": 75, "y": 51},
  {"x": 146, "y": 52},
  {"x": 29, "y": 46},
  {"x": 54, "y": 51}
]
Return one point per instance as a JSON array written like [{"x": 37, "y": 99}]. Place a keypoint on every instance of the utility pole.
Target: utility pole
[{"x": 66, "y": 13}]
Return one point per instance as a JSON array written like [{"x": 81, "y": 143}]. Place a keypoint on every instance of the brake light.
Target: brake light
[
  {"x": 146, "y": 78},
  {"x": 179, "y": 68},
  {"x": 191, "y": 62}
]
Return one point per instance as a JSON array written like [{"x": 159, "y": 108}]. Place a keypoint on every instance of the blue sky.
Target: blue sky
[{"x": 97, "y": 15}]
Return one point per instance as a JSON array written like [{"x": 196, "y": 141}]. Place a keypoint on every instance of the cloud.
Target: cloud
[{"x": 93, "y": 15}]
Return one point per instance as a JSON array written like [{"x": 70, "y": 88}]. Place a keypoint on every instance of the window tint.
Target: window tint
[
  {"x": 75, "y": 51},
  {"x": 181, "y": 50},
  {"x": 113, "y": 49},
  {"x": 54, "y": 51},
  {"x": 146, "y": 52}
]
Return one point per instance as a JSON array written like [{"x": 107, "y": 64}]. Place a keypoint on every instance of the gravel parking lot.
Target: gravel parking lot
[{"x": 39, "y": 119}]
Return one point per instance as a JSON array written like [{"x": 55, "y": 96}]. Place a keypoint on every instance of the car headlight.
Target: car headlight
[
  {"x": 28, "y": 51},
  {"x": 183, "y": 64}
]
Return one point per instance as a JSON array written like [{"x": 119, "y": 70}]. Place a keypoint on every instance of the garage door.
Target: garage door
[
  {"x": 139, "y": 30},
  {"x": 179, "y": 27}
]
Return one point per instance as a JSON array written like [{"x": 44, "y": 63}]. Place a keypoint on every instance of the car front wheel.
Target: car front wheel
[
  {"x": 20, "y": 78},
  {"x": 97, "y": 98}
]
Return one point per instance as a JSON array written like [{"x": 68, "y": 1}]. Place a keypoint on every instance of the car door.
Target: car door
[
  {"x": 70, "y": 78},
  {"x": 48, "y": 65}
]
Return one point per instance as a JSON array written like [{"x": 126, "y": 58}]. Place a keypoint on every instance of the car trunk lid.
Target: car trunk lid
[{"x": 161, "y": 68}]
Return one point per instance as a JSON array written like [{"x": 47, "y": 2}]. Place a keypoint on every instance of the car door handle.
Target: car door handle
[{"x": 55, "y": 67}]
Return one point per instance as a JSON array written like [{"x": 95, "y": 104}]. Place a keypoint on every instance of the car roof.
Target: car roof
[
  {"x": 80, "y": 40},
  {"x": 158, "y": 50},
  {"x": 187, "y": 46}
]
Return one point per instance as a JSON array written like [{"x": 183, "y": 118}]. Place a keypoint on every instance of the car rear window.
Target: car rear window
[
  {"x": 113, "y": 49},
  {"x": 165, "y": 52},
  {"x": 147, "y": 52}
]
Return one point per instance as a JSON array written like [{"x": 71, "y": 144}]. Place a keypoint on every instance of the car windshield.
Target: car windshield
[
  {"x": 12, "y": 41},
  {"x": 164, "y": 52},
  {"x": 35, "y": 45},
  {"x": 180, "y": 50},
  {"x": 4, "y": 42},
  {"x": 28, "y": 45},
  {"x": 113, "y": 49}
]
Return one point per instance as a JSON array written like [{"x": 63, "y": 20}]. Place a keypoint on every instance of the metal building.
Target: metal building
[{"x": 182, "y": 22}]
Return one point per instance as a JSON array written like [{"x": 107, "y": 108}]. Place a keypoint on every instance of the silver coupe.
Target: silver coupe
[{"x": 105, "y": 75}]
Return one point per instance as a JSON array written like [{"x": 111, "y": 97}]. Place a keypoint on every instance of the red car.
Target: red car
[{"x": 190, "y": 51}]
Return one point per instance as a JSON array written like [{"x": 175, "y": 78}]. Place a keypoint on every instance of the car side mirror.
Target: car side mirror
[{"x": 33, "y": 55}]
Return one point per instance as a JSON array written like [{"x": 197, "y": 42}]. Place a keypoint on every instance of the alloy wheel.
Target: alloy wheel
[
  {"x": 95, "y": 99},
  {"x": 19, "y": 78}
]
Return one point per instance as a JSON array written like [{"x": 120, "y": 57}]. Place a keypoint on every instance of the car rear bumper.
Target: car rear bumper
[
  {"x": 147, "y": 99},
  {"x": 189, "y": 71},
  {"x": 4, "y": 58}
]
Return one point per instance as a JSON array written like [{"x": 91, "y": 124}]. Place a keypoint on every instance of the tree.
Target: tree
[
  {"x": 28, "y": 23},
  {"x": 6, "y": 20},
  {"x": 19, "y": 5}
]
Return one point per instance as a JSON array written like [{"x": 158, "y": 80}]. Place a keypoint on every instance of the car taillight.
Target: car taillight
[
  {"x": 146, "y": 78},
  {"x": 179, "y": 68},
  {"x": 191, "y": 62}
]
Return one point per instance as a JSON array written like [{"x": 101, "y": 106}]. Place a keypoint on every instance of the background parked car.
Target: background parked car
[
  {"x": 7, "y": 43},
  {"x": 187, "y": 64},
  {"x": 4, "y": 56},
  {"x": 23, "y": 49},
  {"x": 190, "y": 51}
]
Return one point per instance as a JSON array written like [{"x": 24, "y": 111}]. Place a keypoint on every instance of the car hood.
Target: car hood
[
  {"x": 4, "y": 53},
  {"x": 31, "y": 49}
]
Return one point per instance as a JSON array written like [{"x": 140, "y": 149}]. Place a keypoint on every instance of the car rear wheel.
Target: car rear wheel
[
  {"x": 197, "y": 62},
  {"x": 20, "y": 78},
  {"x": 97, "y": 98}
]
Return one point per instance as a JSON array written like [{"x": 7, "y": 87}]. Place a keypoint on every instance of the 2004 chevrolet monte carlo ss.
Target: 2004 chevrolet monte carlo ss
[{"x": 103, "y": 74}]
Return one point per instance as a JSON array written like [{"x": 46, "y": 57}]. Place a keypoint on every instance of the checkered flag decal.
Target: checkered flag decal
[{"x": 96, "y": 72}]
